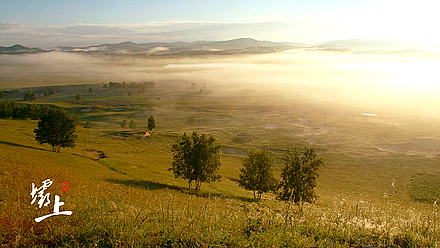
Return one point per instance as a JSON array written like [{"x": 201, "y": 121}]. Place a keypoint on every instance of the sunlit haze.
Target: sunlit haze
[
  {"x": 397, "y": 79},
  {"x": 370, "y": 82}
]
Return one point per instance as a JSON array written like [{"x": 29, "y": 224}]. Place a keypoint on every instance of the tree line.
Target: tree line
[
  {"x": 131, "y": 85},
  {"x": 196, "y": 158},
  {"x": 21, "y": 111},
  {"x": 56, "y": 126}
]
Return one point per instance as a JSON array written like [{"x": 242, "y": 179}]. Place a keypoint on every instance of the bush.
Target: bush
[
  {"x": 124, "y": 123},
  {"x": 151, "y": 123},
  {"x": 132, "y": 124},
  {"x": 51, "y": 91},
  {"x": 191, "y": 120},
  {"x": 30, "y": 96},
  {"x": 88, "y": 124}
]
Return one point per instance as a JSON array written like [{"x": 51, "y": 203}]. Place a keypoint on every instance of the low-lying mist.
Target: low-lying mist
[{"x": 370, "y": 82}]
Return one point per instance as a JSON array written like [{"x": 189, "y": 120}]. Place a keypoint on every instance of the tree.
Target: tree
[
  {"x": 57, "y": 128},
  {"x": 78, "y": 97},
  {"x": 51, "y": 91},
  {"x": 256, "y": 174},
  {"x": 191, "y": 120},
  {"x": 151, "y": 123},
  {"x": 299, "y": 175},
  {"x": 46, "y": 92},
  {"x": 90, "y": 90},
  {"x": 1, "y": 94},
  {"x": 124, "y": 123},
  {"x": 31, "y": 111},
  {"x": 88, "y": 124},
  {"x": 132, "y": 124},
  {"x": 6, "y": 109},
  {"x": 196, "y": 158},
  {"x": 30, "y": 96}
]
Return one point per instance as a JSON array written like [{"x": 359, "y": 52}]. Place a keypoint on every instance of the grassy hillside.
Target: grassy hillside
[
  {"x": 367, "y": 196},
  {"x": 129, "y": 199}
]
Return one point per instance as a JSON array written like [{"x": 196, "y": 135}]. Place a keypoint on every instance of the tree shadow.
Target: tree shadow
[
  {"x": 143, "y": 184},
  {"x": 20, "y": 145}
]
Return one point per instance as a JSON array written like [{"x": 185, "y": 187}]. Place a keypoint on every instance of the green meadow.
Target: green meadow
[{"x": 372, "y": 190}]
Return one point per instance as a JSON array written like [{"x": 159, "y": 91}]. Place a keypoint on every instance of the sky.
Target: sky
[{"x": 51, "y": 23}]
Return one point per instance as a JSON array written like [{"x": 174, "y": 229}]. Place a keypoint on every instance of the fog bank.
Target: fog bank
[{"x": 372, "y": 81}]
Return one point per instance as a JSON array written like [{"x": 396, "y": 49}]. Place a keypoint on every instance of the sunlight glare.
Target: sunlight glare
[{"x": 414, "y": 75}]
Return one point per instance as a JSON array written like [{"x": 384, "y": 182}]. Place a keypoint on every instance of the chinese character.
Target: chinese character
[
  {"x": 41, "y": 195},
  {"x": 67, "y": 186},
  {"x": 56, "y": 210},
  {"x": 45, "y": 197}
]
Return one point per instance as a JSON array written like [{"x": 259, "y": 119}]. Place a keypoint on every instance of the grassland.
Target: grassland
[{"x": 367, "y": 196}]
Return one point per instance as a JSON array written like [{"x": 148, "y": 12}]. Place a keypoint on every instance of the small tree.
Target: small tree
[
  {"x": 299, "y": 175},
  {"x": 78, "y": 97},
  {"x": 196, "y": 158},
  {"x": 90, "y": 90},
  {"x": 191, "y": 120},
  {"x": 132, "y": 124},
  {"x": 46, "y": 93},
  {"x": 57, "y": 128},
  {"x": 124, "y": 123},
  {"x": 151, "y": 123},
  {"x": 1, "y": 94},
  {"x": 30, "y": 96},
  {"x": 256, "y": 174},
  {"x": 88, "y": 124},
  {"x": 51, "y": 91}
]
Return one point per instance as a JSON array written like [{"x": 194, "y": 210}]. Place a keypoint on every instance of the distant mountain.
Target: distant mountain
[
  {"x": 17, "y": 49},
  {"x": 370, "y": 45},
  {"x": 235, "y": 46},
  {"x": 242, "y": 45}
]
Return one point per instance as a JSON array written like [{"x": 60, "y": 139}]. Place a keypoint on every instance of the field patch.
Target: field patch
[
  {"x": 422, "y": 147},
  {"x": 94, "y": 154},
  {"x": 310, "y": 128},
  {"x": 425, "y": 187}
]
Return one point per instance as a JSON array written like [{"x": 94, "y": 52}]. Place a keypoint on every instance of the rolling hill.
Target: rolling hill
[
  {"x": 17, "y": 49},
  {"x": 241, "y": 45}
]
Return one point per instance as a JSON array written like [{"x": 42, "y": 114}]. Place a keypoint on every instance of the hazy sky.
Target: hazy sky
[{"x": 49, "y": 23}]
